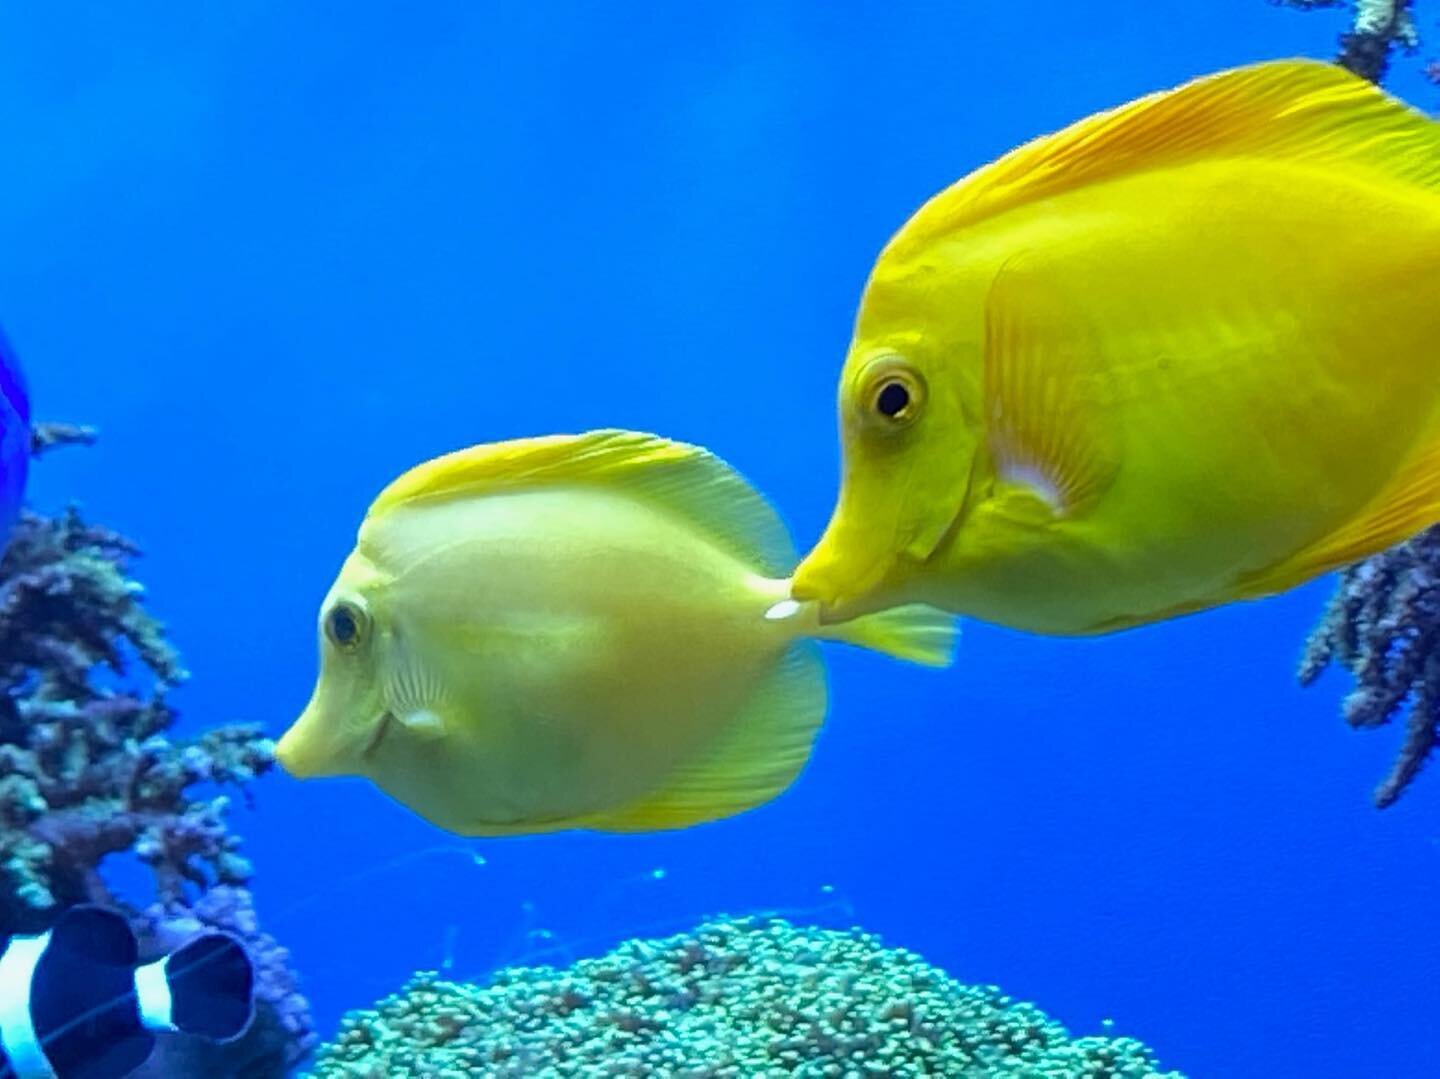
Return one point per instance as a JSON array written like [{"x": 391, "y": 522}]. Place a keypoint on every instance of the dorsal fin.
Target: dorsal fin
[
  {"x": 686, "y": 480},
  {"x": 1290, "y": 110}
]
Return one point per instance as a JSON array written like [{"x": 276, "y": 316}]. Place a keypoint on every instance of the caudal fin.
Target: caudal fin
[
  {"x": 915, "y": 632},
  {"x": 83, "y": 1017},
  {"x": 207, "y": 987}
]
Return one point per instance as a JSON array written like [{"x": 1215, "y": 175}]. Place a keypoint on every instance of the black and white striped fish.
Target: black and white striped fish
[{"x": 76, "y": 1004}]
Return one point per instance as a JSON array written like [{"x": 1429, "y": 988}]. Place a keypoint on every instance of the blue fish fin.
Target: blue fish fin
[{"x": 209, "y": 984}]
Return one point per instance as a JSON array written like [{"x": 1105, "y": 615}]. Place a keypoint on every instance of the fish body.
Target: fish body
[
  {"x": 1179, "y": 354},
  {"x": 75, "y": 1003},
  {"x": 589, "y": 631}
]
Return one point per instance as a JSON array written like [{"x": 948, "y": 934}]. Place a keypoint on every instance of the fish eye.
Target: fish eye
[
  {"x": 894, "y": 392},
  {"x": 892, "y": 400},
  {"x": 345, "y": 625}
]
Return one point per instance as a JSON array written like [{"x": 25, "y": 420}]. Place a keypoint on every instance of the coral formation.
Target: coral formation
[
  {"x": 733, "y": 998},
  {"x": 1378, "y": 28},
  {"x": 88, "y": 770},
  {"x": 1383, "y": 625}
]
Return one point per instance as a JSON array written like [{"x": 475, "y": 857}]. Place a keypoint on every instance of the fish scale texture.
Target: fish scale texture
[{"x": 732, "y": 999}]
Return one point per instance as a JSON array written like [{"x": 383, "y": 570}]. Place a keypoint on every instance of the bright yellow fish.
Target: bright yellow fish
[
  {"x": 1178, "y": 354},
  {"x": 589, "y": 631}
]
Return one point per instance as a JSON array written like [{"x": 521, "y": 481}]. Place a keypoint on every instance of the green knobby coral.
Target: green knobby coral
[{"x": 733, "y": 999}]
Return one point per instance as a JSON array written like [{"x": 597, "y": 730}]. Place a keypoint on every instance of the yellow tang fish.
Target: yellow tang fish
[
  {"x": 1180, "y": 353},
  {"x": 589, "y": 631}
]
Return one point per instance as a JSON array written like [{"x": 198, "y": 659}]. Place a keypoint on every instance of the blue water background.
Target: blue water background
[{"x": 279, "y": 253}]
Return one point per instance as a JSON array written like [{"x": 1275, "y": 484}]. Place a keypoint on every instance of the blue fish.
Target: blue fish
[
  {"x": 14, "y": 436},
  {"x": 75, "y": 1004}
]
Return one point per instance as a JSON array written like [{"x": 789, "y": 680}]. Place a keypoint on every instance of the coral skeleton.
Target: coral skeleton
[{"x": 732, "y": 998}]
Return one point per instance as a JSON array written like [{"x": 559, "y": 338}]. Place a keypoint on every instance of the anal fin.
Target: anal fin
[
  {"x": 754, "y": 761},
  {"x": 1408, "y": 505}
]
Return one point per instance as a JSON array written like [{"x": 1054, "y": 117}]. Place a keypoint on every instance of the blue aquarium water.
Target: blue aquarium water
[{"x": 279, "y": 253}]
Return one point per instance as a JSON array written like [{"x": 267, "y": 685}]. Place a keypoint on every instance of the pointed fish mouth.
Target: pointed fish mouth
[
  {"x": 290, "y": 754},
  {"x": 831, "y": 607},
  {"x": 838, "y": 593},
  {"x": 315, "y": 747}
]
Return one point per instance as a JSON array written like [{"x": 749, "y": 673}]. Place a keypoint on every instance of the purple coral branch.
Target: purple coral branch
[
  {"x": 89, "y": 770},
  {"x": 1383, "y": 625},
  {"x": 1378, "y": 28}
]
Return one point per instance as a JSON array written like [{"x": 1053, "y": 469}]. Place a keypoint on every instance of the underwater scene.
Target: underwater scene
[{"x": 720, "y": 540}]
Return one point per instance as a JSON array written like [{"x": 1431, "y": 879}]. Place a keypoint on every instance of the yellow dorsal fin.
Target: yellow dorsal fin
[
  {"x": 1293, "y": 110},
  {"x": 1408, "y": 505},
  {"x": 759, "y": 755},
  {"x": 686, "y": 480},
  {"x": 1045, "y": 399}
]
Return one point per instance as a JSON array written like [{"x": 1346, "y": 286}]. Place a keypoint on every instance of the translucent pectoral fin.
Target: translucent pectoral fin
[{"x": 1049, "y": 429}]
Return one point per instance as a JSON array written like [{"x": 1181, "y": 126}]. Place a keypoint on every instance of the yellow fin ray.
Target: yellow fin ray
[
  {"x": 915, "y": 632},
  {"x": 760, "y": 755},
  {"x": 686, "y": 480},
  {"x": 1292, "y": 110},
  {"x": 1043, "y": 392}
]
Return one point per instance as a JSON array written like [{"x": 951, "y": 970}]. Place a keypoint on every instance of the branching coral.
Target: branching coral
[
  {"x": 732, "y": 998},
  {"x": 1378, "y": 28},
  {"x": 87, "y": 769},
  {"x": 1383, "y": 625}
]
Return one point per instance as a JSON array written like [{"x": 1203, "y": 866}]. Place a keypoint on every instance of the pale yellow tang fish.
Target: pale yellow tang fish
[
  {"x": 588, "y": 631},
  {"x": 1181, "y": 353}
]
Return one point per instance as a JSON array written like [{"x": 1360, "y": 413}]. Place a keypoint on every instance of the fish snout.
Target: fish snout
[
  {"x": 838, "y": 593},
  {"x": 304, "y": 752}
]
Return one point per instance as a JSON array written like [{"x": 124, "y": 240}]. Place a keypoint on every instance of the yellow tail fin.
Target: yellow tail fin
[{"x": 915, "y": 632}]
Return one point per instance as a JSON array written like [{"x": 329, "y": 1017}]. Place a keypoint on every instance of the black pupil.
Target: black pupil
[
  {"x": 894, "y": 399},
  {"x": 342, "y": 626}
]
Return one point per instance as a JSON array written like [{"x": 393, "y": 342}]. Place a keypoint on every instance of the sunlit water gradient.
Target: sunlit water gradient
[{"x": 278, "y": 253}]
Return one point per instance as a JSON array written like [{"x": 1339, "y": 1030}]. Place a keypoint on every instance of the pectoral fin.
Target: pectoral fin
[
  {"x": 423, "y": 723},
  {"x": 1047, "y": 423}
]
